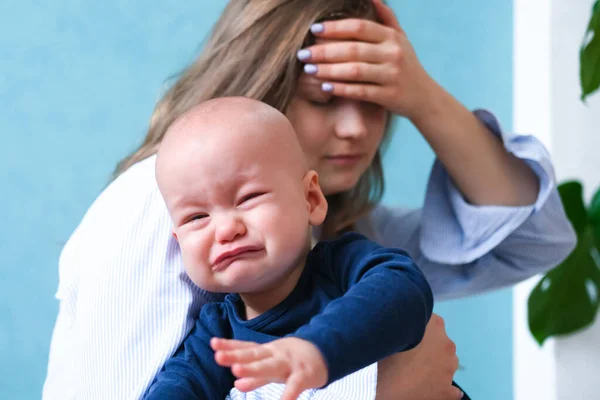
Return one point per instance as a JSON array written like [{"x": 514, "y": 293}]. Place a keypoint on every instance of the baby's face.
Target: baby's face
[{"x": 239, "y": 210}]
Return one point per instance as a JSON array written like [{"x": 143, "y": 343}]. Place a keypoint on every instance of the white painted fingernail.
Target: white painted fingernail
[
  {"x": 310, "y": 69},
  {"x": 317, "y": 28},
  {"x": 303, "y": 54},
  {"x": 326, "y": 87}
]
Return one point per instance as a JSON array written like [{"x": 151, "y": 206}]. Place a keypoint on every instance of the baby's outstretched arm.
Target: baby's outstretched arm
[
  {"x": 295, "y": 362},
  {"x": 383, "y": 307}
]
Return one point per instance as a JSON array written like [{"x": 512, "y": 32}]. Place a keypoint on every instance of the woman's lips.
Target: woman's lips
[{"x": 344, "y": 160}]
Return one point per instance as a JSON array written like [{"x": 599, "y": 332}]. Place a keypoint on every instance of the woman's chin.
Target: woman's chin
[{"x": 338, "y": 185}]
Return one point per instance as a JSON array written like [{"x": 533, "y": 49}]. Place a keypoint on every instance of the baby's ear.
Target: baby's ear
[
  {"x": 175, "y": 236},
  {"x": 315, "y": 199}
]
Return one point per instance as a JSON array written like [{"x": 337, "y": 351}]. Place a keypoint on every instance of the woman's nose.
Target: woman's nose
[{"x": 350, "y": 120}]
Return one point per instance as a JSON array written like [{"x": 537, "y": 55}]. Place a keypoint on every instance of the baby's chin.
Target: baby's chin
[
  {"x": 227, "y": 282},
  {"x": 240, "y": 287}
]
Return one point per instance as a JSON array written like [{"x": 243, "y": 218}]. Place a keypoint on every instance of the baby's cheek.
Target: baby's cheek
[
  {"x": 295, "y": 231},
  {"x": 192, "y": 256}
]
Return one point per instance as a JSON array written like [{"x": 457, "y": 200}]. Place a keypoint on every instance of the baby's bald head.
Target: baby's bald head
[
  {"x": 228, "y": 132},
  {"x": 232, "y": 174}
]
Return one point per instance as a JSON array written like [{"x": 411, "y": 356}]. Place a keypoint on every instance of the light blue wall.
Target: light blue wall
[
  {"x": 78, "y": 80},
  {"x": 467, "y": 46}
]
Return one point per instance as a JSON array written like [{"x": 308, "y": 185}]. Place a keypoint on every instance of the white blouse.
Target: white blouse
[{"x": 126, "y": 303}]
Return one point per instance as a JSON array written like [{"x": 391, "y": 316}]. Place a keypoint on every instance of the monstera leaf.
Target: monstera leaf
[
  {"x": 595, "y": 218},
  {"x": 589, "y": 55},
  {"x": 567, "y": 298}
]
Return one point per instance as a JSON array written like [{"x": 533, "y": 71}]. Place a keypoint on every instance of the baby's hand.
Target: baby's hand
[{"x": 295, "y": 362}]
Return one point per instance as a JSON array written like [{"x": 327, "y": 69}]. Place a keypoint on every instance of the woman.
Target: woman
[{"x": 492, "y": 216}]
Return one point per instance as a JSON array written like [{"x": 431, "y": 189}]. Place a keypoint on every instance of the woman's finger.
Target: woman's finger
[
  {"x": 352, "y": 28},
  {"x": 230, "y": 344},
  {"x": 386, "y": 16},
  {"x": 364, "y": 92},
  {"x": 250, "y": 384},
  {"x": 269, "y": 368},
  {"x": 227, "y": 358},
  {"x": 333, "y": 52},
  {"x": 455, "y": 365},
  {"x": 352, "y": 72},
  {"x": 455, "y": 393}
]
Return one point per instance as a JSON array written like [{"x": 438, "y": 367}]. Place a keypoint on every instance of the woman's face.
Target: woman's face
[{"x": 339, "y": 137}]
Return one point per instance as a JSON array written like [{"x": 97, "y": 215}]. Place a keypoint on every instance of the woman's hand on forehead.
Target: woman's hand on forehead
[
  {"x": 309, "y": 87},
  {"x": 368, "y": 61}
]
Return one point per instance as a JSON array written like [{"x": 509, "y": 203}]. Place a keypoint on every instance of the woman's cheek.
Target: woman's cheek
[
  {"x": 313, "y": 135},
  {"x": 312, "y": 150}
]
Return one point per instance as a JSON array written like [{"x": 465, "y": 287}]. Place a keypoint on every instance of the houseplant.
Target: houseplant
[{"x": 567, "y": 298}]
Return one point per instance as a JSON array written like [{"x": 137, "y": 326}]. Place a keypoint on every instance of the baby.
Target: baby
[{"x": 243, "y": 203}]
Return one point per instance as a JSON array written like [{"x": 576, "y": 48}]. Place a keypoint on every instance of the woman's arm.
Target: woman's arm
[
  {"x": 133, "y": 304},
  {"x": 492, "y": 216},
  {"x": 465, "y": 249},
  {"x": 375, "y": 62},
  {"x": 476, "y": 160}
]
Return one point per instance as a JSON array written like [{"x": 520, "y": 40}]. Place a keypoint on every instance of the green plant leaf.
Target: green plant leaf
[
  {"x": 567, "y": 298},
  {"x": 595, "y": 218},
  {"x": 589, "y": 55},
  {"x": 571, "y": 194}
]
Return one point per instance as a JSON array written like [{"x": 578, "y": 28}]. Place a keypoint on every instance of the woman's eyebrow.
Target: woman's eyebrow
[
  {"x": 311, "y": 87},
  {"x": 308, "y": 82}
]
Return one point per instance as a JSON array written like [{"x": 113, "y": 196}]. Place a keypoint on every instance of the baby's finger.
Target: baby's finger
[
  {"x": 276, "y": 370},
  {"x": 250, "y": 384},
  {"x": 293, "y": 388},
  {"x": 229, "y": 357},
  {"x": 230, "y": 344}
]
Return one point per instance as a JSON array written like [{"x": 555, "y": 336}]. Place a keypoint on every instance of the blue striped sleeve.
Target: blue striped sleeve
[{"x": 465, "y": 249}]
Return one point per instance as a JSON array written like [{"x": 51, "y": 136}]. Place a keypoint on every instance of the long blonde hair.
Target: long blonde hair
[{"x": 251, "y": 52}]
